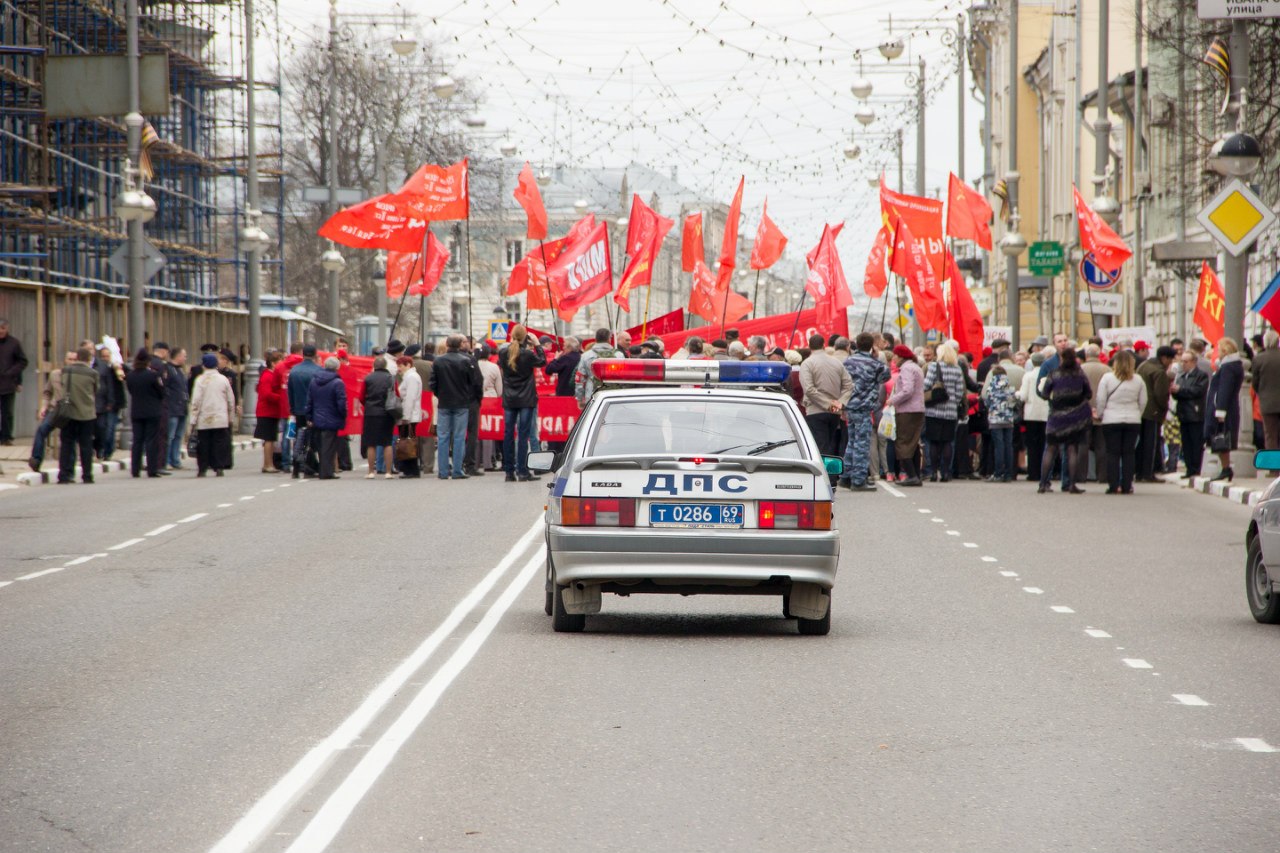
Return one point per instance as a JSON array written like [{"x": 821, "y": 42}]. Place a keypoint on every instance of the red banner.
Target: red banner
[
  {"x": 776, "y": 330},
  {"x": 436, "y": 193},
  {"x": 664, "y": 325},
  {"x": 582, "y": 273},
  {"x": 353, "y": 375},
  {"x": 1211, "y": 302},
  {"x": 382, "y": 222},
  {"x": 923, "y": 217},
  {"x": 556, "y": 417},
  {"x": 691, "y": 248}
]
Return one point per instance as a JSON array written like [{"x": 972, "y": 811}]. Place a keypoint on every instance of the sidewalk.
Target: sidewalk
[
  {"x": 13, "y": 461},
  {"x": 1246, "y": 490}
]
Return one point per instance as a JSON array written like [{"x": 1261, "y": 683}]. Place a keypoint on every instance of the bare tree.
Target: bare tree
[{"x": 388, "y": 123}]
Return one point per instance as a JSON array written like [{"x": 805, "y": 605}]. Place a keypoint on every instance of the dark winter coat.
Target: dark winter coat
[
  {"x": 12, "y": 362},
  {"x": 299, "y": 388},
  {"x": 456, "y": 380},
  {"x": 562, "y": 368},
  {"x": 146, "y": 394},
  {"x": 374, "y": 394},
  {"x": 1192, "y": 389},
  {"x": 519, "y": 385},
  {"x": 326, "y": 400}
]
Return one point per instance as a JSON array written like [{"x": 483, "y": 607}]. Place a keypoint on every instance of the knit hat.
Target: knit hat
[
  {"x": 209, "y": 360},
  {"x": 904, "y": 351}
]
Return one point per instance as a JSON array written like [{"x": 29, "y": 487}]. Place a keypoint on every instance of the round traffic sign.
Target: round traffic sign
[{"x": 1095, "y": 276}]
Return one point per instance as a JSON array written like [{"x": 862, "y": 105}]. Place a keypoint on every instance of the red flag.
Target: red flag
[
  {"x": 437, "y": 193},
  {"x": 826, "y": 282},
  {"x": 968, "y": 214},
  {"x": 691, "y": 248},
  {"x": 405, "y": 269},
  {"x": 645, "y": 232},
  {"x": 437, "y": 258},
  {"x": 583, "y": 272},
  {"x": 530, "y": 199},
  {"x": 769, "y": 242},
  {"x": 966, "y": 320},
  {"x": 911, "y": 262},
  {"x": 923, "y": 215},
  {"x": 712, "y": 302},
  {"x": 530, "y": 274},
  {"x": 874, "y": 280},
  {"x": 813, "y": 253},
  {"x": 729, "y": 246},
  {"x": 663, "y": 325},
  {"x": 1097, "y": 238},
  {"x": 776, "y": 329},
  {"x": 1211, "y": 302},
  {"x": 382, "y": 222}
]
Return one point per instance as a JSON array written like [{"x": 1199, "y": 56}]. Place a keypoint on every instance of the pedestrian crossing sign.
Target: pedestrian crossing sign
[{"x": 499, "y": 330}]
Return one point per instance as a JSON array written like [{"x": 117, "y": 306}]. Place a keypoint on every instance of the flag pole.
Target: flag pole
[
  {"x": 795, "y": 327},
  {"x": 884, "y": 312},
  {"x": 755, "y": 300},
  {"x": 551, "y": 297},
  {"x": 724, "y": 312},
  {"x": 644, "y": 327},
  {"x": 470, "y": 305},
  {"x": 897, "y": 293}
]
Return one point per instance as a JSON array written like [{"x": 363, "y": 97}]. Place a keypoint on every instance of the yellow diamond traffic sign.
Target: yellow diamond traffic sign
[{"x": 1236, "y": 217}]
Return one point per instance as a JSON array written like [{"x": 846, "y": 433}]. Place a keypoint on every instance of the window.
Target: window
[
  {"x": 695, "y": 426},
  {"x": 455, "y": 253},
  {"x": 514, "y": 252}
]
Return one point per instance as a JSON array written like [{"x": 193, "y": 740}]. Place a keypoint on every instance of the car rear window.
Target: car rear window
[{"x": 697, "y": 427}]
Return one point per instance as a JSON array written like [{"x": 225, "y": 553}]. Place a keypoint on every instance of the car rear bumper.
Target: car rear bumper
[{"x": 693, "y": 557}]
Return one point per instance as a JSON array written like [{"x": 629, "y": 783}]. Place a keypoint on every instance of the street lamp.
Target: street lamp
[
  {"x": 861, "y": 88},
  {"x": 544, "y": 178},
  {"x": 892, "y": 48},
  {"x": 444, "y": 87},
  {"x": 580, "y": 206},
  {"x": 474, "y": 121},
  {"x": 865, "y": 115},
  {"x": 852, "y": 152},
  {"x": 404, "y": 44},
  {"x": 133, "y": 204},
  {"x": 507, "y": 148},
  {"x": 873, "y": 181},
  {"x": 1236, "y": 156},
  {"x": 332, "y": 261}
]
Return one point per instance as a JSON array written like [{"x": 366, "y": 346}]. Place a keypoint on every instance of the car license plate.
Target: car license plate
[{"x": 695, "y": 515}]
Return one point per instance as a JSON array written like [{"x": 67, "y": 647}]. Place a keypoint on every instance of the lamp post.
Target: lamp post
[
  {"x": 1013, "y": 244},
  {"x": 133, "y": 223},
  {"x": 331, "y": 268},
  {"x": 253, "y": 239}
]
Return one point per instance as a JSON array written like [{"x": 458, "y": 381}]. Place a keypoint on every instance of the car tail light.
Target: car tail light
[
  {"x": 598, "y": 512},
  {"x": 794, "y": 515}
]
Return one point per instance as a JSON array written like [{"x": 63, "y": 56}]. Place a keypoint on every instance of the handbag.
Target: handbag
[
  {"x": 62, "y": 412},
  {"x": 1220, "y": 442},
  {"x": 937, "y": 391},
  {"x": 406, "y": 449},
  {"x": 888, "y": 425}
]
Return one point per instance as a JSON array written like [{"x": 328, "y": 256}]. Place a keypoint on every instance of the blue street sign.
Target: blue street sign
[
  {"x": 499, "y": 330},
  {"x": 1095, "y": 276}
]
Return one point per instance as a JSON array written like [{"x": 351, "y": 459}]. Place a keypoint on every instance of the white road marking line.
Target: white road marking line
[
  {"x": 1033, "y": 590},
  {"x": 125, "y": 544},
  {"x": 264, "y": 814},
  {"x": 1136, "y": 663},
  {"x": 925, "y": 511},
  {"x": 1097, "y": 633},
  {"x": 164, "y": 528},
  {"x": 223, "y": 506},
  {"x": 5, "y": 583},
  {"x": 953, "y": 532},
  {"x": 79, "y": 561},
  {"x": 990, "y": 560},
  {"x": 191, "y": 518},
  {"x": 248, "y": 497},
  {"x": 1254, "y": 744},
  {"x": 937, "y": 520},
  {"x": 1190, "y": 699},
  {"x": 264, "y": 491},
  {"x": 1058, "y": 608},
  {"x": 41, "y": 574},
  {"x": 890, "y": 489},
  {"x": 1009, "y": 574},
  {"x": 971, "y": 544},
  {"x": 285, "y": 485},
  {"x": 328, "y": 821}
]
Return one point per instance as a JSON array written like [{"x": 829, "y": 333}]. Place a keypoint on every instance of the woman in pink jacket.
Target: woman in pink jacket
[{"x": 907, "y": 400}]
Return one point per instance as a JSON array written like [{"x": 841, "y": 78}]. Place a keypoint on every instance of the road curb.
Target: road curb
[
  {"x": 1244, "y": 495},
  {"x": 45, "y": 477}
]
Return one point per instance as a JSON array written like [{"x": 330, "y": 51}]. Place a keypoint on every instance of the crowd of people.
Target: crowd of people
[{"x": 1059, "y": 411}]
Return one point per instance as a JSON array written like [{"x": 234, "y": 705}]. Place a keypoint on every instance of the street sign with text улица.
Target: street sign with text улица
[{"x": 1211, "y": 10}]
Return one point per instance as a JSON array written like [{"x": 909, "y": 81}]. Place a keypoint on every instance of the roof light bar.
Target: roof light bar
[{"x": 626, "y": 371}]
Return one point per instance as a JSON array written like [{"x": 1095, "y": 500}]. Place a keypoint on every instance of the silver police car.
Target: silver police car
[
  {"x": 1262, "y": 546},
  {"x": 690, "y": 477}
]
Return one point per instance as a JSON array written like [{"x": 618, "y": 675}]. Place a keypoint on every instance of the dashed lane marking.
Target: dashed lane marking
[
  {"x": 1058, "y": 608},
  {"x": 1033, "y": 590},
  {"x": 191, "y": 518},
  {"x": 937, "y": 520},
  {"x": 248, "y": 497},
  {"x": 1253, "y": 744},
  {"x": 164, "y": 528},
  {"x": 925, "y": 511},
  {"x": 953, "y": 532},
  {"x": 990, "y": 560},
  {"x": 265, "y": 491},
  {"x": 42, "y": 573},
  {"x": 882, "y": 484},
  {"x": 1097, "y": 633},
  {"x": 1009, "y": 574},
  {"x": 80, "y": 561},
  {"x": 1190, "y": 699},
  {"x": 5, "y": 583},
  {"x": 125, "y": 544},
  {"x": 971, "y": 544},
  {"x": 1136, "y": 663}
]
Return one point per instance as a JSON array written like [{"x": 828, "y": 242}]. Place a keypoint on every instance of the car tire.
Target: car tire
[
  {"x": 816, "y": 627},
  {"x": 786, "y": 606},
  {"x": 549, "y": 588},
  {"x": 562, "y": 622},
  {"x": 1263, "y": 602}
]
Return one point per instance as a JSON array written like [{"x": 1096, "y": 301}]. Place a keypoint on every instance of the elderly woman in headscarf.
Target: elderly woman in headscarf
[{"x": 213, "y": 409}]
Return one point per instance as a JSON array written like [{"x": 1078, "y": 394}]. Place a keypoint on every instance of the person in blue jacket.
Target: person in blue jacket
[{"x": 326, "y": 411}]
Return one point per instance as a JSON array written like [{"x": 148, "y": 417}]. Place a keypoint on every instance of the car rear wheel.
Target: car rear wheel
[
  {"x": 563, "y": 622},
  {"x": 815, "y": 627},
  {"x": 1264, "y": 604},
  {"x": 550, "y": 588}
]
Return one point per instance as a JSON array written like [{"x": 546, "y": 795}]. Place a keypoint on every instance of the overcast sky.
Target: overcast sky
[{"x": 715, "y": 89}]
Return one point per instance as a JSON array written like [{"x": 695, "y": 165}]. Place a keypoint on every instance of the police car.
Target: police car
[{"x": 690, "y": 477}]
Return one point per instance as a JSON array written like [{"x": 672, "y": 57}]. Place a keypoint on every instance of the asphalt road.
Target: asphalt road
[{"x": 365, "y": 666}]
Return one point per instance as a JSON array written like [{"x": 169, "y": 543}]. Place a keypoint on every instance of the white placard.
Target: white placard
[
  {"x": 1110, "y": 304},
  {"x": 1235, "y": 9},
  {"x": 1132, "y": 333},
  {"x": 991, "y": 333}
]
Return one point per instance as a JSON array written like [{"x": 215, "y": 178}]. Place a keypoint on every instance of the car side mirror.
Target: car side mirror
[
  {"x": 834, "y": 465},
  {"x": 542, "y": 461}
]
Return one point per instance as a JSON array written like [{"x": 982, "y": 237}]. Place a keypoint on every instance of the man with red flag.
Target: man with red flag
[
  {"x": 729, "y": 246},
  {"x": 769, "y": 243},
  {"x": 691, "y": 248},
  {"x": 713, "y": 304},
  {"x": 912, "y": 263},
  {"x": 966, "y": 320},
  {"x": 1097, "y": 238},
  {"x": 826, "y": 282},
  {"x": 645, "y": 232},
  {"x": 968, "y": 213},
  {"x": 530, "y": 199}
]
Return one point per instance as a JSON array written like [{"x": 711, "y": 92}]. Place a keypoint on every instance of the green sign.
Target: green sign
[{"x": 1045, "y": 258}]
